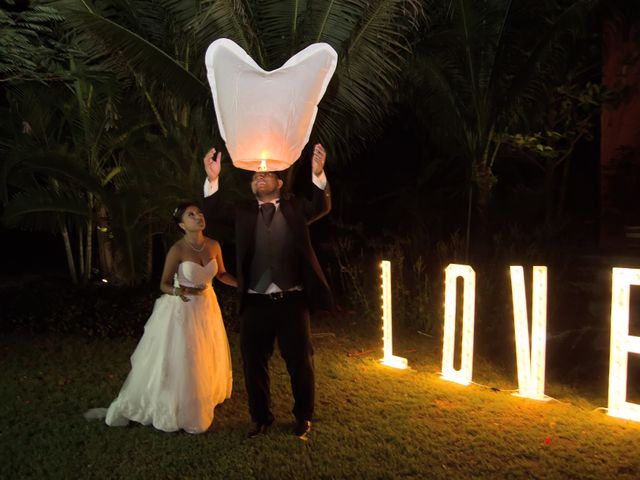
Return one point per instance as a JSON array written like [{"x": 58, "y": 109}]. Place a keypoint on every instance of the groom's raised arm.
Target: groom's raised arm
[
  {"x": 320, "y": 203},
  {"x": 216, "y": 210}
]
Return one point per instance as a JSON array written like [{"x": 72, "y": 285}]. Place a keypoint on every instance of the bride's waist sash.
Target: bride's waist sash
[{"x": 183, "y": 282}]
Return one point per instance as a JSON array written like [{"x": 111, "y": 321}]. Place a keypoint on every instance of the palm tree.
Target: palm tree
[
  {"x": 153, "y": 55},
  {"x": 59, "y": 164},
  {"x": 481, "y": 69},
  {"x": 28, "y": 45},
  {"x": 164, "y": 47},
  {"x": 72, "y": 146}
]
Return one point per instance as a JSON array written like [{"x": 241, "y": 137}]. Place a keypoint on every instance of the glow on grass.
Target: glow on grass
[
  {"x": 531, "y": 363},
  {"x": 389, "y": 358},
  {"x": 463, "y": 375},
  {"x": 622, "y": 344}
]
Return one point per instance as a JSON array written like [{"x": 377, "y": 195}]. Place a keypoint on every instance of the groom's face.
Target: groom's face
[{"x": 265, "y": 184}]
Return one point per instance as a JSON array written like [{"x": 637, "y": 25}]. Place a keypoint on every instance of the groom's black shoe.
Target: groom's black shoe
[
  {"x": 259, "y": 428},
  {"x": 302, "y": 427}
]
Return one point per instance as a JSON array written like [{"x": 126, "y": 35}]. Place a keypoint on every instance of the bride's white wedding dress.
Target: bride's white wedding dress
[{"x": 181, "y": 368}]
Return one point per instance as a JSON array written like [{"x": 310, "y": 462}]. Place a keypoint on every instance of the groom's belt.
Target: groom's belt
[{"x": 275, "y": 296}]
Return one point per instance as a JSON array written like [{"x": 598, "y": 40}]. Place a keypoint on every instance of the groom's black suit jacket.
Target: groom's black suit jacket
[{"x": 298, "y": 213}]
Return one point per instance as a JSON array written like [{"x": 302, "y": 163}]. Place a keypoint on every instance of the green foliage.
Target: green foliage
[
  {"x": 416, "y": 276},
  {"x": 98, "y": 311},
  {"x": 42, "y": 210},
  {"x": 143, "y": 151},
  {"x": 127, "y": 106},
  {"x": 134, "y": 46},
  {"x": 28, "y": 45},
  {"x": 571, "y": 114},
  {"x": 572, "y": 111},
  {"x": 483, "y": 68},
  {"x": 351, "y": 273},
  {"x": 166, "y": 48},
  {"x": 51, "y": 306}
]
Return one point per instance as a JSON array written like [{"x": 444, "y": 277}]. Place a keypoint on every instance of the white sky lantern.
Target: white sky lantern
[
  {"x": 389, "y": 358},
  {"x": 265, "y": 118},
  {"x": 463, "y": 375},
  {"x": 622, "y": 344},
  {"x": 531, "y": 362}
]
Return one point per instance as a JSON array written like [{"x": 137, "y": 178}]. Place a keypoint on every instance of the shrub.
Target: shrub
[{"x": 97, "y": 310}]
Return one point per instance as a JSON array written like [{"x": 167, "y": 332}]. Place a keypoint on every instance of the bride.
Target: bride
[{"x": 181, "y": 368}]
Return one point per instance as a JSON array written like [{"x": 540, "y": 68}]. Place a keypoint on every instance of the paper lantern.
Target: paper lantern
[
  {"x": 265, "y": 118},
  {"x": 622, "y": 344},
  {"x": 462, "y": 375},
  {"x": 389, "y": 358},
  {"x": 531, "y": 362}
]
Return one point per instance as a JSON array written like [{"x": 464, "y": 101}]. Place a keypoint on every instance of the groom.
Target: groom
[{"x": 279, "y": 282}]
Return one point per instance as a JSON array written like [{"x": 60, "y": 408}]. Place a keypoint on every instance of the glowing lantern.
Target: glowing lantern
[
  {"x": 266, "y": 117},
  {"x": 463, "y": 375},
  {"x": 389, "y": 358},
  {"x": 622, "y": 344},
  {"x": 531, "y": 366}
]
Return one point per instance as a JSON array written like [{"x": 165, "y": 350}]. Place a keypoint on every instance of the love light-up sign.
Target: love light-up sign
[
  {"x": 452, "y": 272},
  {"x": 622, "y": 344},
  {"x": 531, "y": 361},
  {"x": 531, "y": 366},
  {"x": 388, "y": 358},
  {"x": 265, "y": 118}
]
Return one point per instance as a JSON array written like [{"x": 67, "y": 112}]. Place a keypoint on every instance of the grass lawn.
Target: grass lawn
[{"x": 372, "y": 422}]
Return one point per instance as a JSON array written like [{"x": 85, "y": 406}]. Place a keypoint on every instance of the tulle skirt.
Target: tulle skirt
[{"x": 180, "y": 370}]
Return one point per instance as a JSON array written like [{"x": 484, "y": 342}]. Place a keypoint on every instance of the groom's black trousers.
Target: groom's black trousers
[{"x": 263, "y": 321}]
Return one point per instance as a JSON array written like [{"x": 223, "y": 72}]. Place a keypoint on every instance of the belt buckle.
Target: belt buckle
[{"x": 276, "y": 295}]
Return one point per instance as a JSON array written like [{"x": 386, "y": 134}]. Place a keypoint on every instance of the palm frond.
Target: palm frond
[
  {"x": 569, "y": 18},
  {"x": 371, "y": 59},
  {"x": 42, "y": 210},
  {"x": 63, "y": 167},
  {"x": 279, "y": 25},
  {"x": 233, "y": 19},
  {"x": 29, "y": 48},
  {"x": 140, "y": 54}
]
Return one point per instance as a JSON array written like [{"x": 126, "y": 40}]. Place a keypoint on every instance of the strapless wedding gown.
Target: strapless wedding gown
[{"x": 181, "y": 368}]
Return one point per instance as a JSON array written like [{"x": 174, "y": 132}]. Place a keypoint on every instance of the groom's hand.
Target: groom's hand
[
  {"x": 318, "y": 159},
  {"x": 212, "y": 163}
]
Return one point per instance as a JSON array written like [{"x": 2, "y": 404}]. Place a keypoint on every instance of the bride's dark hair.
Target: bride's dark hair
[{"x": 179, "y": 212}]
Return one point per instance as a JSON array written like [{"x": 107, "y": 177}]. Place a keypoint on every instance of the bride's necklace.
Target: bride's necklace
[{"x": 194, "y": 248}]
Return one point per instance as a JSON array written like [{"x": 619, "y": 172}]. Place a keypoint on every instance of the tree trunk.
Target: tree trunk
[
  {"x": 105, "y": 245},
  {"x": 549, "y": 211},
  {"x": 467, "y": 239},
  {"x": 484, "y": 180},
  {"x": 81, "y": 256},
  {"x": 69, "y": 253},
  {"x": 149, "y": 266},
  {"x": 89, "y": 242},
  {"x": 89, "y": 253}
]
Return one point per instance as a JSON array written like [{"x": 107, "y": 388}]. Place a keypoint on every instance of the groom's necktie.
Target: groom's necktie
[{"x": 267, "y": 210}]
